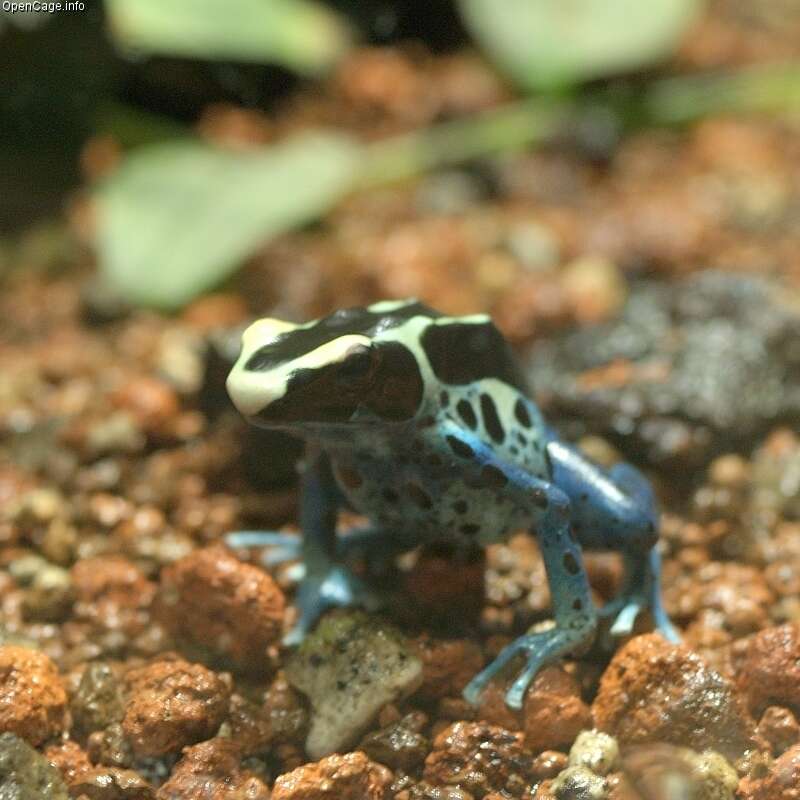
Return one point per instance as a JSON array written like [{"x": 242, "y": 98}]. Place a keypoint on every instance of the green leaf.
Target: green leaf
[
  {"x": 300, "y": 34},
  {"x": 550, "y": 43},
  {"x": 177, "y": 219}
]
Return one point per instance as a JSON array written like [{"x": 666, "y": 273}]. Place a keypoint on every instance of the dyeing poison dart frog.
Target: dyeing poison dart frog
[{"x": 424, "y": 424}]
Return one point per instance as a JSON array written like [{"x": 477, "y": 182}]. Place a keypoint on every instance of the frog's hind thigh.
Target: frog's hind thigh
[{"x": 616, "y": 510}]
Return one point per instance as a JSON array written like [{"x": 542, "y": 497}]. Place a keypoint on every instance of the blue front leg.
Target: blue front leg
[
  {"x": 374, "y": 547},
  {"x": 326, "y": 583},
  {"x": 548, "y": 510},
  {"x": 616, "y": 511}
]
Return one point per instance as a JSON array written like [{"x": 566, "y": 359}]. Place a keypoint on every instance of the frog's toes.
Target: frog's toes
[
  {"x": 666, "y": 628},
  {"x": 283, "y": 546},
  {"x": 625, "y": 611},
  {"x": 626, "y": 617},
  {"x": 336, "y": 588},
  {"x": 539, "y": 650}
]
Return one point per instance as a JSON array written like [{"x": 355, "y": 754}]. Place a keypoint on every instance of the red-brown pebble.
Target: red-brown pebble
[
  {"x": 437, "y": 587},
  {"x": 737, "y": 593},
  {"x": 173, "y": 704},
  {"x": 448, "y": 665},
  {"x": 654, "y": 691},
  {"x": 480, "y": 758},
  {"x": 112, "y": 593},
  {"x": 219, "y": 602},
  {"x": 620, "y": 788},
  {"x": 424, "y": 791},
  {"x": 782, "y": 782},
  {"x": 111, "y": 783},
  {"x": 338, "y": 777},
  {"x": 212, "y": 770},
  {"x": 769, "y": 671},
  {"x": 553, "y": 712},
  {"x": 33, "y": 701},
  {"x": 779, "y": 727},
  {"x": 216, "y": 311},
  {"x": 493, "y": 708},
  {"x": 150, "y": 401},
  {"x": 281, "y": 718},
  {"x": 69, "y": 758},
  {"x": 548, "y": 764}
]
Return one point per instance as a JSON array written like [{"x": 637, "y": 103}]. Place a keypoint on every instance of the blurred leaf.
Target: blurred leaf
[
  {"x": 177, "y": 219},
  {"x": 299, "y": 34},
  {"x": 550, "y": 43}
]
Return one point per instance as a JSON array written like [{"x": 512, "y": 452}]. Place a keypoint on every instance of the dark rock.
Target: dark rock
[
  {"x": 399, "y": 746},
  {"x": 687, "y": 371},
  {"x": 98, "y": 700},
  {"x": 101, "y": 304},
  {"x": 26, "y": 774}
]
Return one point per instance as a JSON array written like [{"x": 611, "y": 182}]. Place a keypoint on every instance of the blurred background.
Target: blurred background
[{"x": 604, "y": 130}]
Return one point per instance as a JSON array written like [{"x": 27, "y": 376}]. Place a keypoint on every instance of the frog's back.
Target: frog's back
[
  {"x": 473, "y": 383},
  {"x": 474, "y": 397}
]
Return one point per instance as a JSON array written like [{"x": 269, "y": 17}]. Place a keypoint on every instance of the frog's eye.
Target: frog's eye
[{"x": 357, "y": 363}]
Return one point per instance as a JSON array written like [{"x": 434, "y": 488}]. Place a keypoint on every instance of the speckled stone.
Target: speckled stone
[{"x": 350, "y": 667}]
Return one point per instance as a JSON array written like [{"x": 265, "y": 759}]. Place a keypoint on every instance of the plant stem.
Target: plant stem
[
  {"x": 664, "y": 102},
  {"x": 499, "y": 130},
  {"x": 675, "y": 101}
]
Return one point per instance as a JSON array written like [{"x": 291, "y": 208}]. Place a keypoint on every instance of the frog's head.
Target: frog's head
[{"x": 349, "y": 367}]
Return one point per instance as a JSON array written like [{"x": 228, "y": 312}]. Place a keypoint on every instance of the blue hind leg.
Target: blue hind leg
[
  {"x": 642, "y": 591},
  {"x": 326, "y": 580},
  {"x": 616, "y": 510}
]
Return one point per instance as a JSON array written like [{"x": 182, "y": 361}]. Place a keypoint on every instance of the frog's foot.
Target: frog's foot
[
  {"x": 642, "y": 592},
  {"x": 336, "y": 588},
  {"x": 625, "y": 610},
  {"x": 283, "y": 546},
  {"x": 539, "y": 650}
]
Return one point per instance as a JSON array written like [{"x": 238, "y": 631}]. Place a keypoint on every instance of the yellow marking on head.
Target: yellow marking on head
[
  {"x": 387, "y": 306},
  {"x": 331, "y": 352},
  {"x": 253, "y": 390},
  {"x": 263, "y": 331}
]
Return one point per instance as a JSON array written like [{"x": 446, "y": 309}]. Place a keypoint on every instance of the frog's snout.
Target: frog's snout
[
  {"x": 286, "y": 373},
  {"x": 248, "y": 392},
  {"x": 252, "y": 384}
]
